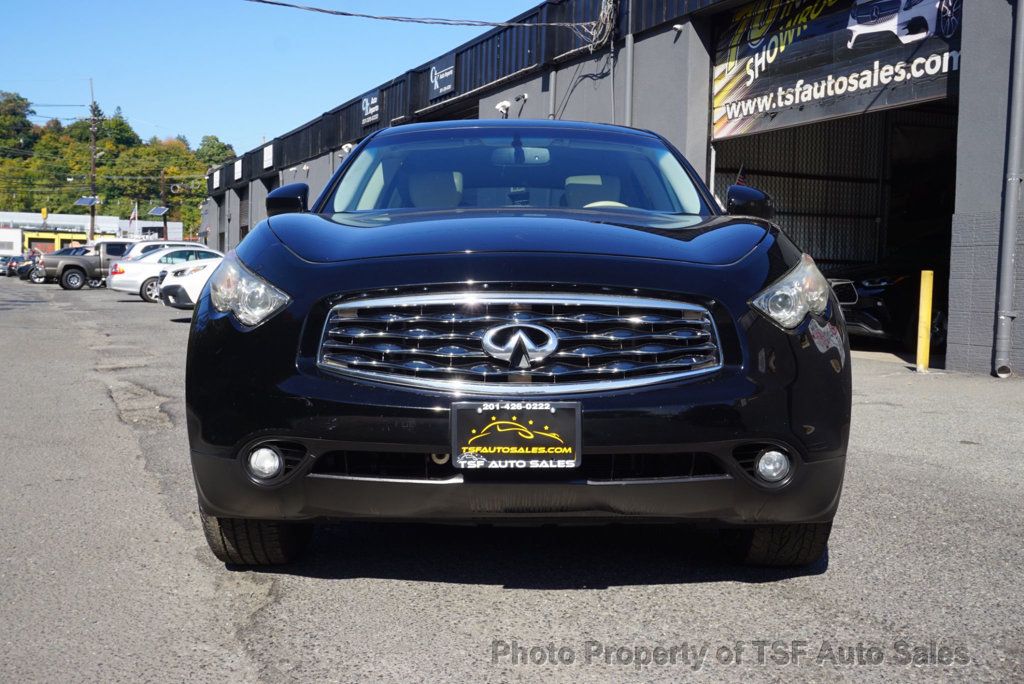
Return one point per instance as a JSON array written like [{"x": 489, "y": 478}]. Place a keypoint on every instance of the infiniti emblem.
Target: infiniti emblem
[{"x": 521, "y": 344}]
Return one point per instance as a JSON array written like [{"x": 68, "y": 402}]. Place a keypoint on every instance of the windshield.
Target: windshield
[{"x": 528, "y": 168}]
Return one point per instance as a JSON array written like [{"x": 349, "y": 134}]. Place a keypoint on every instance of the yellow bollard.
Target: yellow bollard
[{"x": 924, "y": 322}]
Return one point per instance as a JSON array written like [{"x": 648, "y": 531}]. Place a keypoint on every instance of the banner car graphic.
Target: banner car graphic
[{"x": 786, "y": 62}]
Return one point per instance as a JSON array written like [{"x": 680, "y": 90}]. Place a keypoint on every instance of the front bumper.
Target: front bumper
[
  {"x": 780, "y": 388},
  {"x": 729, "y": 499},
  {"x": 899, "y": 24},
  {"x": 793, "y": 397},
  {"x": 176, "y": 296}
]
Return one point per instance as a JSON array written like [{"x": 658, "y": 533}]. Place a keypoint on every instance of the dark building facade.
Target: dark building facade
[{"x": 880, "y": 127}]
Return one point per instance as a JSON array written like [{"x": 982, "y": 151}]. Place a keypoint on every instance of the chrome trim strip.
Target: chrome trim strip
[
  {"x": 470, "y": 298},
  {"x": 458, "y": 479},
  {"x": 506, "y": 389},
  {"x": 513, "y": 389}
]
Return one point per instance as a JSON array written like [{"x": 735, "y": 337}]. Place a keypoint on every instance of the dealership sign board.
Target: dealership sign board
[
  {"x": 370, "y": 106},
  {"x": 442, "y": 76},
  {"x": 787, "y": 62}
]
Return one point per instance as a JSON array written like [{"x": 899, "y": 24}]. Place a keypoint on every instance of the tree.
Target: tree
[
  {"x": 56, "y": 173},
  {"x": 119, "y": 131},
  {"x": 16, "y": 131},
  {"x": 213, "y": 151}
]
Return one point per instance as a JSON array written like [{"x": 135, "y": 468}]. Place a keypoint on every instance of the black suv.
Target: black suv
[{"x": 514, "y": 321}]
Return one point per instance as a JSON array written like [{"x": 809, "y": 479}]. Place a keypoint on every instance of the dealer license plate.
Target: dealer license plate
[{"x": 517, "y": 435}]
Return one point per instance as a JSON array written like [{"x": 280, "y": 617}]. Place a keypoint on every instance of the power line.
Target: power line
[
  {"x": 593, "y": 31},
  {"x": 59, "y": 118}
]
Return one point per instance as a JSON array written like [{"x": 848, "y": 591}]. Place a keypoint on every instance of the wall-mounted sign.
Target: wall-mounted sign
[
  {"x": 786, "y": 62},
  {"x": 441, "y": 76},
  {"x": 268, "y": 156},
  {"x": 216, "y": 178},
  {"x": 370, "y": 107},
  {"x": 238, "y": 169}
]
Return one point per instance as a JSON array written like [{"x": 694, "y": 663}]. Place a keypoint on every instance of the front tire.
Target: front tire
[
  {"x": 238, "y": 541},
  {"x": 72, "y": 279},
  {"x": 150, "y": 291},
  {"x": 38, "y": 277},
  {"x": 782, "y": 545}
]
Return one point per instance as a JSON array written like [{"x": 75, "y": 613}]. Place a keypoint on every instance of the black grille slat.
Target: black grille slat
[{"x": 439, "y": 338}]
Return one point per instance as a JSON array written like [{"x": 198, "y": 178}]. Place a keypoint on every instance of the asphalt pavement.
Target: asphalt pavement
[{"x": 105, "y": 576}]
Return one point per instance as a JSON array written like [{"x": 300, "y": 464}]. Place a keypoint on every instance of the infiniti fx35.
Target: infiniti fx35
[{"x": 518, "y": 322}]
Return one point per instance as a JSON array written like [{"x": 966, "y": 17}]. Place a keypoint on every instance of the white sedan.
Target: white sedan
[
  {"x": 180, "y": 287},
  {"x": 141, "y": 276}
]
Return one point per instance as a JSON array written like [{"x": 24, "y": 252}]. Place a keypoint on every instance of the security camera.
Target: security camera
[
  {"x": 522, "y": 98},
  {"x": 503, "y": 107},
  {"x": 678, "y": 28}
]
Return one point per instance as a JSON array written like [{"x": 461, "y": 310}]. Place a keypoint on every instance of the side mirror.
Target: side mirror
[
  {"x": 748, "y": 201},
  {"x": 288, "y": 199}
]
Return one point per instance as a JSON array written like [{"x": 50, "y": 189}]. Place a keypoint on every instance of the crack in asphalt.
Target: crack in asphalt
[{"x": 149, "y": 414}]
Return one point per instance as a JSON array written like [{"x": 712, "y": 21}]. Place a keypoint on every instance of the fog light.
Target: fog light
[
  {"x": 772, "y": 466},
  {"x": 265, "y": 463}
]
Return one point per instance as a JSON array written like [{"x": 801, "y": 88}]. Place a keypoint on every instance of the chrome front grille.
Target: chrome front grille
[{"x": 437, "y": 341}]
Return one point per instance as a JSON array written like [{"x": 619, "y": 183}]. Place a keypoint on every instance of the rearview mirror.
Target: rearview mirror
[
  {"x": 747, "y": 201},
  {"x": 288, "y": 199},
  {"x": 515, "y": 156}
]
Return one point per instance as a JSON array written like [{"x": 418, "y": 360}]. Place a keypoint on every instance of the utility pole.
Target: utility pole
[
  {"x": 92, "y": 158},
  {"x": 163, "y": 200}
]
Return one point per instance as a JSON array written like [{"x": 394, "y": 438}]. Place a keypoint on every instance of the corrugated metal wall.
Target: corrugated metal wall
[{"x": 828, "y": 181}]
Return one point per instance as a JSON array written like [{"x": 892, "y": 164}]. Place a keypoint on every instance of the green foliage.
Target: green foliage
[
  {"x": 213, "y": 151},
  {"x": 53, "y": 170},
  {"x": 16, "y": 130},
  {"x": 119, "y": 131}
]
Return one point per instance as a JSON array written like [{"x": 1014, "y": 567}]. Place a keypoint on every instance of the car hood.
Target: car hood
[{"x": 327, "y": 238}]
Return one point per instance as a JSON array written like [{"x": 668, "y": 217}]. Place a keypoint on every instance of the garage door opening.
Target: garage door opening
[{"x": 870, "y": 197}]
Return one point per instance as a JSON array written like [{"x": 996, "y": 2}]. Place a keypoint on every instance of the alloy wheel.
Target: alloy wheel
[{"x": 949, "y": 18}]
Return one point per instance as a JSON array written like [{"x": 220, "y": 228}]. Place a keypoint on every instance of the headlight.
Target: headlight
[
  {"x": 801, "y": 291},
  {"x": 181, "y": 272},
  {"x": 910, "y": 3},
  {"x": 251, "y": 299}
]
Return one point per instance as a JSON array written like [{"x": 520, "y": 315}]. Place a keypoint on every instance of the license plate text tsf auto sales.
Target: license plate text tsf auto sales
[{"x": 518, "y": 435}]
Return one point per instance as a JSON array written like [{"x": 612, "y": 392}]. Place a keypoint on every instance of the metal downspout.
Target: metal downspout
[
  {"x": 553, "y": 95},
  {"x": 1011, "y": 204},
  {"x": 629, "y": 68}
]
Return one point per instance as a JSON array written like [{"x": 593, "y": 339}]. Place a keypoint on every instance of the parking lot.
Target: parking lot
[{"x": 106, "y": 576}]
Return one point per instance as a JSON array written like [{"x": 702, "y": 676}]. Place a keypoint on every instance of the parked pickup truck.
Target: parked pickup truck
[{"x": 73, "y": 272}]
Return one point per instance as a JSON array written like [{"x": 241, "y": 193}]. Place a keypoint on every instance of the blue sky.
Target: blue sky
[{"x": 235, "y": 69}]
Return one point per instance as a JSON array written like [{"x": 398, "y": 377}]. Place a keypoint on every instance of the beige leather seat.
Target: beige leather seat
[
  {"x": 583, "y": 190},
  {"x": 435, "y": 189}
]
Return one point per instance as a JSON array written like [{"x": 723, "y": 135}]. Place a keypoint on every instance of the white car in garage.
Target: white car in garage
[
  {"x": 180, "y": 287},
  {"x": 908, "y": 20},
  {"x": 141, "y": 276}
]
